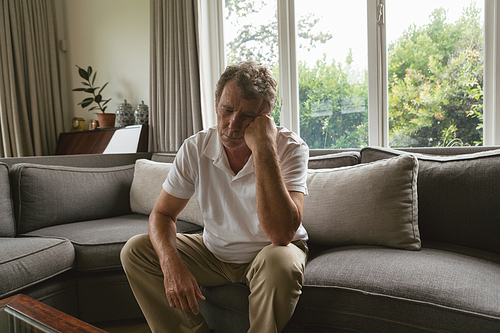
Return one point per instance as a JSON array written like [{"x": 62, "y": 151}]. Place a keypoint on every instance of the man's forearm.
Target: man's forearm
[
  {"x": 181, "y": 287},
  {"x": 162, "y": 233},
  {"x": 278, "y": 214}
]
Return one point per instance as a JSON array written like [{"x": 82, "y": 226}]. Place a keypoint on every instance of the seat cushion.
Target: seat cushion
[
  {"x": 376, "y": 289},
  {"x": 7, "y": 223},
  {"x": 98, "y": 242},
  {"x": 226, "y": 308},
  {"x": 45, "y": 196},
  {"x": 25, "y": 261},
  {"x": 458, "y": 197},
  {"x": 440, "y": 287}
]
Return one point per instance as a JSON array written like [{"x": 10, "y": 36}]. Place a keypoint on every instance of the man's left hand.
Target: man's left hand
[{"x": 261, "y": 133}]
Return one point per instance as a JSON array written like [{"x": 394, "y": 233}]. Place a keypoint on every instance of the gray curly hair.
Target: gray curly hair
[{"x": 253, "y": 80}]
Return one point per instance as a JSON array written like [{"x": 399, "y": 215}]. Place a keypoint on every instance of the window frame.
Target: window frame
[{"x": 378, "y": 108}]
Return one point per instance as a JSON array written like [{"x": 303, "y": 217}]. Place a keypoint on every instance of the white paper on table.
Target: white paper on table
[{"x": 124, "y": 140}]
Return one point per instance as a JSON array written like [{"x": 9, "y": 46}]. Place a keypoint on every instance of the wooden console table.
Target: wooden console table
[{"x": 95, "y": 141}]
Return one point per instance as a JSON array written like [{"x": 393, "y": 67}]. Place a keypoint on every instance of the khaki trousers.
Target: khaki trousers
[{"x": 274, "y": 278}]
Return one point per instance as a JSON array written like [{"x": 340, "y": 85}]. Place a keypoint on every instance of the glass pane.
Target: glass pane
[
  {"x": 435, "y": 64},
  {"x": 251, "y": 32},
  {"x": 332, "y": 54}
]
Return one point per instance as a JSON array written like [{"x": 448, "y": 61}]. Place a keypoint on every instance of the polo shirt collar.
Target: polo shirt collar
[{"x": 214, "y": 150}]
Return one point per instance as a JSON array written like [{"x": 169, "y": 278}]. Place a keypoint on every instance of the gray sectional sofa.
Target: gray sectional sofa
[{"x": 400, "y": 241}]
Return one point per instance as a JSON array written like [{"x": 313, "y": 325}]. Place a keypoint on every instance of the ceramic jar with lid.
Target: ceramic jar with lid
[
  {"x": 125, "y": 114},
  {"x": 142, "y": 114}
]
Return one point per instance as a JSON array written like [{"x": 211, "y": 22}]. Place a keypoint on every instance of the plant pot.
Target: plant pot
[{"x": 106, "y": 119}]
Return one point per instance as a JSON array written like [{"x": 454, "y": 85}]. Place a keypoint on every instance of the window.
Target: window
[
  {"x": 332, "y": 63},
  {"x": 374, "y": 72},
  {"x": 435, "y": 72}
]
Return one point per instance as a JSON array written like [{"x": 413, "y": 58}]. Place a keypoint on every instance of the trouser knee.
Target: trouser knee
[
  {"x": 281, "y": 265},
  {"x": 133, "y": 249}
]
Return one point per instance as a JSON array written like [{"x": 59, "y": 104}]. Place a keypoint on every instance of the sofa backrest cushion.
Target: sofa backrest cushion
[
  {"x": 51, "y": 195},
  {"x": 336, "y": 160},
  {"x": 80, "y": 160},
  {"x": 163, "y": 157},
  {"x": 146, "y": 188},
  {"x": 7, "y": 224},
  {"x": 371, "y": 204},
  {"x": 458, "y": 197}
]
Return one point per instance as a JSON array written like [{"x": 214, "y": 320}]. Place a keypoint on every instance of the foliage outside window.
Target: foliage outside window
[{"x": 436, "y": 82}]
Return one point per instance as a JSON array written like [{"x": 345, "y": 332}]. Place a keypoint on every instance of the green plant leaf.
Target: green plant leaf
[
  {"x": 93, "y": 108},
  {"x": 104, "y": 86},
  {"x": 85, "y": 84},
  {"x": 106, "y": 101},
  {"x": 83, "y": 73},
  {"x": 90, "y": 90},
  {"x": 79, "y": 89},
  {"x": 84, "y": 105},
  {"x": 93, "y": 79},
  {"x": 86, "y": 102},
  {"x": 89, "y": 71},
  {"x": 98, "y": 98},
  {"x": 104, "y": 109}
]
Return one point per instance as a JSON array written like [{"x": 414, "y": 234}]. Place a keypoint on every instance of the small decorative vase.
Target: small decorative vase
[
  {"x": 142, "y": 114},
  {"x": 125, "y": 114},
  {"x": 106, "y": 119}
]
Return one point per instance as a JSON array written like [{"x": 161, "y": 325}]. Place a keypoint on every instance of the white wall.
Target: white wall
[{"x": 112, "y": 36}]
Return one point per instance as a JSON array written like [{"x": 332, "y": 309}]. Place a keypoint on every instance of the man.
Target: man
[{"x": 249, "y": 178}]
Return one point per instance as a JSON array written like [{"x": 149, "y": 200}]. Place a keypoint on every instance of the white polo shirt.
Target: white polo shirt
[{"x": 228, "y": 201}]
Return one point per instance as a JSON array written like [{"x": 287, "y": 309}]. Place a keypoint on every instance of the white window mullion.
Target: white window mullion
[
  {"x": 491, "y": 86},
  {"x": 378, "y": 113},
  {"x": 289, "y": 85}
]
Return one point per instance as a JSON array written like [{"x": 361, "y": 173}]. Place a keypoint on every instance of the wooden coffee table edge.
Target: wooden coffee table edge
[{"x": 48, "y": 316}]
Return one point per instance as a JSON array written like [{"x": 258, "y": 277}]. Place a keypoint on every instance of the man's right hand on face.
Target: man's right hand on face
[{"x": 181, "y": 288}]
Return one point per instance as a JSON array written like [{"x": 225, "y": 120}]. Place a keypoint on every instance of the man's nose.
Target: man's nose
[{"x": 235, "y": 121}]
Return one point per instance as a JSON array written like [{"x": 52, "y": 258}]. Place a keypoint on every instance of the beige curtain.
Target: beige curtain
[
  {"x": 175, "y": 110},
  {"x": 30, "y": 92}
]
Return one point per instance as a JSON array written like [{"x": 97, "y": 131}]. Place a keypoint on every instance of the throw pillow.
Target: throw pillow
[
  {"x": 372, "y": 204},
  {"x": 146, "y": 188},
  {"x": 458, "y": 196}
]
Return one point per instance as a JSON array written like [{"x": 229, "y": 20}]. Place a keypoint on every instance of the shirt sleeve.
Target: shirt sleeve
[
  {"x": 293, "y": 163},
  {"x": 180, "y": 179}
]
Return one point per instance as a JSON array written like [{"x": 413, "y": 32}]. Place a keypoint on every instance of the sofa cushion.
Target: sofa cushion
[
  {"x": 336, "y": 160},
  {"x": 25, "y": 261},
  {"x": 7, "y": 223},
  {"x": 364, "y": 204},
  {"x": 98, "y": 242},
  {"x": 51, "y": 195},
  {"x": 379, "y": 289},
  {"x": 146, "y": 188},
  {"x": 163, "y": 157},
  {"x": 458, "y": 197},
  {"x": 226, "y": 307},
  {"x": 451, "y": 288}
]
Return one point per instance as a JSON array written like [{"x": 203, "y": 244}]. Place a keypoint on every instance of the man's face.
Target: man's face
[{"x": 234, "y": 114}]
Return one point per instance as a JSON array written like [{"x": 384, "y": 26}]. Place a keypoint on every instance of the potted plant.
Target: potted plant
[{"x": 105, "y": 119}]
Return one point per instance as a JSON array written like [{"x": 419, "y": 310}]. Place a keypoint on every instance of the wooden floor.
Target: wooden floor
[{"x": 129, "y": 326}]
